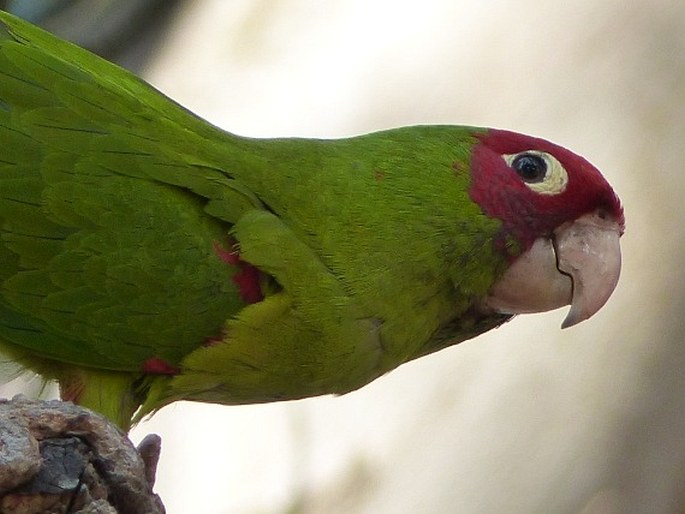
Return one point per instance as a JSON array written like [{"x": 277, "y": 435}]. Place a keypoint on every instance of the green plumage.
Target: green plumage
[{"x": 116, "y": 205}]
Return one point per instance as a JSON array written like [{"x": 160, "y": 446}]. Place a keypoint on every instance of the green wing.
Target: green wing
[{"x": 88, "y": 149}]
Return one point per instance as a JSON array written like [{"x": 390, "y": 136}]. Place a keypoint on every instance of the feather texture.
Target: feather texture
[{"x": 129, "y": 229}]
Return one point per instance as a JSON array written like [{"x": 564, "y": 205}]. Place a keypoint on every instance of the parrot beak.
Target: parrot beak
[
  {"x": 579, "y": 265},
  {"x": 589, "y": 252}
]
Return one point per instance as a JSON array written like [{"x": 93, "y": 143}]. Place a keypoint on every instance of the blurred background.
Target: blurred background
[{"x": 527, "y": 418}]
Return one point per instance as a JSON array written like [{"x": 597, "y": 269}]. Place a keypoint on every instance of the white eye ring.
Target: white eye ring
[{"x": 555, "y": 179}]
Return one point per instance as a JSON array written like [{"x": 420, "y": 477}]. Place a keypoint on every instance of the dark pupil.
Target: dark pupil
[{"x": 530, "y": 167}]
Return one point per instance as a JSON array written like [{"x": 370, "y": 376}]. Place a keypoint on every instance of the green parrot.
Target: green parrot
[{"x": 148, "y": 256}]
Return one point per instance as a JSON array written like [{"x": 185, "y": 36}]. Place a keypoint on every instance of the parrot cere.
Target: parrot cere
[{"x": 148, "y": 256}]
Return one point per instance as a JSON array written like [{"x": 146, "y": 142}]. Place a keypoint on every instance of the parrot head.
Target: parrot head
[{"x": 563, "y": 219}]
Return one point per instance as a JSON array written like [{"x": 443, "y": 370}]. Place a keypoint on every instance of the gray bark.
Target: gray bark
[{"x": 56, "y": 457}]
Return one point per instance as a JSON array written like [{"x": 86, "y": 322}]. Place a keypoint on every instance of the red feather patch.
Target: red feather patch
[
  {"x": 157, "y": 366},
  {"x": 527, "y": 214},
  {"x": 248, "y": 277}
]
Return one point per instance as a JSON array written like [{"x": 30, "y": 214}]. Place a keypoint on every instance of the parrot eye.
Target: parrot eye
[
  {"x": 540, "y": 171},
  {"x": 530, "y": 167}
]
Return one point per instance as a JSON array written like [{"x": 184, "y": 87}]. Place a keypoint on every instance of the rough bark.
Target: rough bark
[{"x": 56, "y": 457}]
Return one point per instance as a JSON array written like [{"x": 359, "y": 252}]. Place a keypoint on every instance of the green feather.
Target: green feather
[{"x": 116, "y": 205}]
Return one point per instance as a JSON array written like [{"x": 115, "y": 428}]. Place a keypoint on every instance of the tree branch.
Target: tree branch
[{"x": 59, "y": 457}]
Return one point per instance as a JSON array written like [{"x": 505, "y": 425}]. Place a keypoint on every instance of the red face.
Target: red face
[
  {"x": 534, "y": 186},
  {"x": 565, "y": 217}
]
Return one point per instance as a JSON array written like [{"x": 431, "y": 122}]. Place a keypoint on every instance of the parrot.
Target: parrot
[{"x": 148, "y": 256}]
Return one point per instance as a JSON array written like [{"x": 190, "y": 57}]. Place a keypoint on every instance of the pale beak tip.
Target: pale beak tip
[{"x": 571, "y": 319}]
